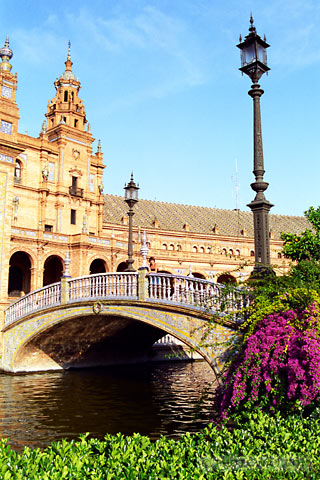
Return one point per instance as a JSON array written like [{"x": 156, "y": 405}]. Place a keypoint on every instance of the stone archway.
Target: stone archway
[
  {"x": 19, "y": 274},
  {"x": 226, "y": 278},
  {"x": 53, "y": 270},
  {"x": 198, "y": 275},
  {"x": 97, "y": 266},
  {"x": 122, "y": 267}
]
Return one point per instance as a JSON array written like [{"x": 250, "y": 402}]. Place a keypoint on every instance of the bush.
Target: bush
[
  {"x": 278, "y": 366},
  {"x": 261, "y": 447}
]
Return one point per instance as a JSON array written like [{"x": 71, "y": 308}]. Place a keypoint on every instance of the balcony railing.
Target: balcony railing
[{"x": 75, "y": 191}]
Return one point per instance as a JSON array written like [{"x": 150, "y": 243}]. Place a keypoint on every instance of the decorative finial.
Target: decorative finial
[
  {"x": 99, "y": 146},
  {"x": 6, "y": 54},
  {"x": 88, "y": 128},
  {"x": 68, "y": 62},
  {"x": 252, "y": 27},
  {"x": 69, "y": 46},
  {"x": 240, "y": 38},
  {"x": 144, "y": 250},
  {"x": 67, "y": 262}
]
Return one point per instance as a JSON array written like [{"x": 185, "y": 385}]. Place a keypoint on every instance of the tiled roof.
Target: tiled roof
[{"x": 173, "y": 217}]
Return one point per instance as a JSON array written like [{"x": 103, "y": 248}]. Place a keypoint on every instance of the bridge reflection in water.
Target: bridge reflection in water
[{"x": 115, "y": 318}]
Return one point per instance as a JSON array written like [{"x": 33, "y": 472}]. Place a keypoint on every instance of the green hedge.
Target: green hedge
[{"x": 262, "y": 447}]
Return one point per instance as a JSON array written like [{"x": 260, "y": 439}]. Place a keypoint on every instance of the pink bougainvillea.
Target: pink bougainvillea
[{"x": 278, "y": 366}]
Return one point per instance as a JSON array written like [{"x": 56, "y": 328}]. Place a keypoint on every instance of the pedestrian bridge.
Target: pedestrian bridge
[{"x": 114, "y": 318}]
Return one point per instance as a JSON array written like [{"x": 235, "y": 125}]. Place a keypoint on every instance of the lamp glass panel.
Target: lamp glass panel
[
  {"x": 261, "y": 54},
  {"x": 249, "y": 54}
]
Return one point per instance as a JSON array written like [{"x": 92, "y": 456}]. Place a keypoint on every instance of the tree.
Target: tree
[{"x": 305, "y": 246}]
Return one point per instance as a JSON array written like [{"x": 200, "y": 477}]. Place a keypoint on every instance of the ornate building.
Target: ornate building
[{"x": 52, "y": 203}]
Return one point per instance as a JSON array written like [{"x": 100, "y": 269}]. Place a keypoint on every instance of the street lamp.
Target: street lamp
[
  {"x": 254, "y": 64},
  {"x": 131, "y": 198}
]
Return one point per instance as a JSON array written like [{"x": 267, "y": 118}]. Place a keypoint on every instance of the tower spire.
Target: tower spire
[
  {"x": 68, "y": 62},
  {"x": 6, "y": 54}
]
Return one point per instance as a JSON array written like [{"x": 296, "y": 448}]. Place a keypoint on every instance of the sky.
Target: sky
[{"x": 162, "y": 90}]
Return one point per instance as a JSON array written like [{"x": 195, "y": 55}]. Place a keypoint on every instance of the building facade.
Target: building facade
[{"x": 52, "y": 204}]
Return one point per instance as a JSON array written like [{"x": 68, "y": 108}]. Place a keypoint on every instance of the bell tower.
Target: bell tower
[
  {"x": 9, "y": 112},
  {"x": 66, "y": 108}
]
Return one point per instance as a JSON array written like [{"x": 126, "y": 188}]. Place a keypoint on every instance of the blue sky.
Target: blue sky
[{"x": 162, "y": 90}]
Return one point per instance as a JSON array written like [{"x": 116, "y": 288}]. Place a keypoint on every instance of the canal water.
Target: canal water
[{"x": 168, "y": 398}]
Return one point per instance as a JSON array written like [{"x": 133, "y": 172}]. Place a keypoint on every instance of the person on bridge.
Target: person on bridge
[{"x": 152, "y": 265}]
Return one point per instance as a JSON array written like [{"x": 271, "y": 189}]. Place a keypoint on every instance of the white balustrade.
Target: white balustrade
[
  {"x": 162, "y": 287},
  {"x": 104, "y": 285},
  {"x": 195, "y": 292},
  {"x": 39, "y": 299}
]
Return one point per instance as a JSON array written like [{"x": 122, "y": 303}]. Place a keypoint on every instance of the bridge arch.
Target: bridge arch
[
  {"x": 76, "y": 336},
  {"x": 102, "y": 317}
]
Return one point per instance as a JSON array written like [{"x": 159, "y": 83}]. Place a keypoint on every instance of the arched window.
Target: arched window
[
  {"x": 201, "y": 249},
  {"x": 224, "y": 251},
  {"x": 279, "y": 255},
  {"x": 164, "y": 246},
  {"x": 195, "y": 249},
  {"x": 17, "y": 172},
  {"x": 171, "y": 246},
  {"x": 238, "y": 253},
  {"x": 251, "y": 253},
  {"x": 230, "y": 251},
  {"x": 179, "y": 248}
]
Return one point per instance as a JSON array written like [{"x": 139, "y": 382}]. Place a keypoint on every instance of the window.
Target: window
[
  {"x": 279, "y": 255},
  {"x": 48, "y": 228},
  {"x": 92, "y": 178},
  {"x": 164, "y": 246},
  {"x": 65, "y": 96},
  {"x": 17, "y": 172},
  {"x": 74, "y": 183},
  {"x": 237, "y": 253},
  {"x": 51, "y": 172},
  {"x": 75, "y": 123},
  {"x": 73, "y": 217},
  {"x": 6, "y": 127},
  {"x": 201, "y": 249},
  {"x": 195, "y": 249},
  {"x": 251, "y": 253}
]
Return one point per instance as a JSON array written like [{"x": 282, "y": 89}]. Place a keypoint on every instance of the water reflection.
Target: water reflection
[{"x": 153, "y": 399}]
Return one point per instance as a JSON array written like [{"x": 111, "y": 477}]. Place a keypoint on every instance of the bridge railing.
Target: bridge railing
[
  {"x": 156, "y": 287},
  {"x": 45, "y": 297},
  {"x": 106, "y": 285},
  {"x": 194, "y": 292}
]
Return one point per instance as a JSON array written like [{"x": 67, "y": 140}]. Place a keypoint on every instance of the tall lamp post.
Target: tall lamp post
[
  {"x": 131, "y": 198},
  {"x": 254, "y": 64}
]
